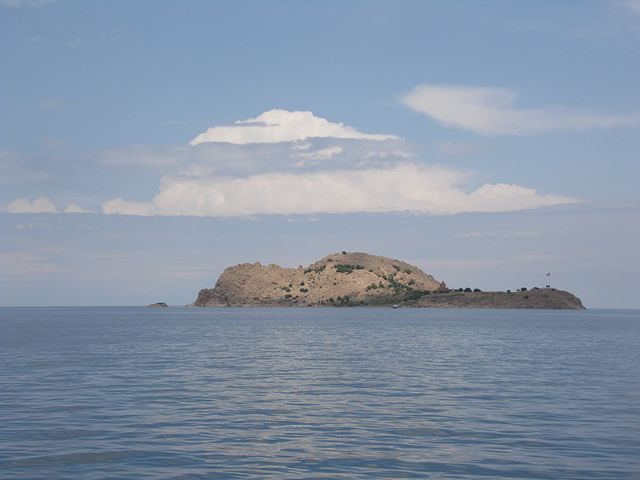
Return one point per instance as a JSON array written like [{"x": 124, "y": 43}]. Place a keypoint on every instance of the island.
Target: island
[{"x": 360, "y": 279}]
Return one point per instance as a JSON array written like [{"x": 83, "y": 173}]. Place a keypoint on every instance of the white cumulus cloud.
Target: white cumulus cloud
[
  {"x": 491, "y": 111},
  {"x": 73, "y": 208},
  {"x": 277, "y": 126},
  {"x": 39, "y": 205},
  {"x": 405, "y": 187}
]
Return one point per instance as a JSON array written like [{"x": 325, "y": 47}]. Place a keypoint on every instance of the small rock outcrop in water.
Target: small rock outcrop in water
[
  {"x": 360, "y": 279},
  {"x": 159, "y": 304}
]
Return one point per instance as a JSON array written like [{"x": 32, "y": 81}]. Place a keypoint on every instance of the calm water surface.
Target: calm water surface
[{"x": 179, "y": 393}]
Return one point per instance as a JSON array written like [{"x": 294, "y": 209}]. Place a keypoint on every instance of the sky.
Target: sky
[{"x": 145, "y": 146}]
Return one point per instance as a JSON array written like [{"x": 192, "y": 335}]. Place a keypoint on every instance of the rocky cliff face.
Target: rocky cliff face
[
  {"x": 337, "y": 279},
  {"x": 360, "y": 279}
]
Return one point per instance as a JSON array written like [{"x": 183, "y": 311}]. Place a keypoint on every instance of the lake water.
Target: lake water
[{"x": 178, "y": 393}]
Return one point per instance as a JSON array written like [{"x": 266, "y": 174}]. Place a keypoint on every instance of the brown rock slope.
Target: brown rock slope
[{"x": 338, "y": 279}]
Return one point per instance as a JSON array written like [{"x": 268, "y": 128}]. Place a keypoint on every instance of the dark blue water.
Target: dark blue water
[{"x": 125, "y": 393}]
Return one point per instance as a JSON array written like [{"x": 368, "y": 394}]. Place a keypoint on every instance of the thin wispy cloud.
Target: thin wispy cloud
[
  {"x": 518, "y": 233},
  {"x": 625, "y": 18},
  {"x": 76, "y": 42},
  {"x": 26, "y": 263},
  {"x": 459, "y": 148},
  {"x": 24, "y": 3},
  {"x": 51, "y": 103},
  {"x": 631, "y": 6},
  {"x": 245, "y": 159},
  {"x": 493, "y": 111}
]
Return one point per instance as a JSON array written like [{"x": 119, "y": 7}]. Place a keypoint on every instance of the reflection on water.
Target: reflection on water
[{"x": 318, "y": 393}]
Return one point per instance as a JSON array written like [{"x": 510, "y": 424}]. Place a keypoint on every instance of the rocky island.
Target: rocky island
[{"x": 360, "y": 279}]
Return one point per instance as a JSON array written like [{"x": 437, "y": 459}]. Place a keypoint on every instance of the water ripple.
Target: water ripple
[{"x": 318, "y": 393}]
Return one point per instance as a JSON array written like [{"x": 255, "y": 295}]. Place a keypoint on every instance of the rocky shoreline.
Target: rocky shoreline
[{"x": 551, "y": 299}]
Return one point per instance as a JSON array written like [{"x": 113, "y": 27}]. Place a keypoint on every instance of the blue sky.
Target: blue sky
[{"x": 147, "y": 145}]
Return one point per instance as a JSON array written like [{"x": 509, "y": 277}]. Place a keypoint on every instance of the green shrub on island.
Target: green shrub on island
[
  {"x": 346, "y": 268},
  {"x": 343, "y": 300},
  {"x": 414, "y": 295},
  {"x": 340, "y": 268}
]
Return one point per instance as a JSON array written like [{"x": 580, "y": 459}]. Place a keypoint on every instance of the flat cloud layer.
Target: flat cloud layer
[
  {"x": 406, "y": 187},
  {"x": 490, "y": 111}
]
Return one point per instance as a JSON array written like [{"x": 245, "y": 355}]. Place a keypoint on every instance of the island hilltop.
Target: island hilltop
[{"x": 360, "y": 279}]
